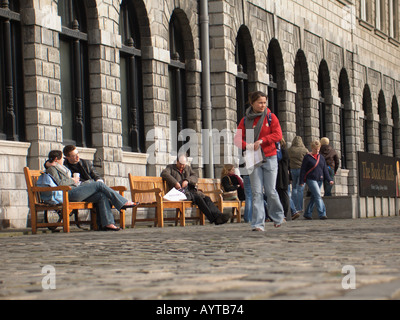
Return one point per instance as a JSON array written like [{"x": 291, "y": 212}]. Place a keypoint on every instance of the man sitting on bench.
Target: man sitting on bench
[{"x": 182, "y": 177}]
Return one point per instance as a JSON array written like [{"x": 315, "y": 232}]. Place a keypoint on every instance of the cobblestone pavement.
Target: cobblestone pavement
[{"x": 301, "y": 260}]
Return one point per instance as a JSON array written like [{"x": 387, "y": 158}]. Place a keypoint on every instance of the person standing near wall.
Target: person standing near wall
[
  {"x": 297, "y": 151},
  {"x": 332, "y": 161}
]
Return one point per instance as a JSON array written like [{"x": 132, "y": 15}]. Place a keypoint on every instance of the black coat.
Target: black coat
[
  {"x": 228, "y": 186},
  {"x": 85, "y": 168},
  {"x": 282, "y": 179}
]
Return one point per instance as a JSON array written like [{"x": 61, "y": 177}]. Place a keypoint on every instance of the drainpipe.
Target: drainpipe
[{"x": 206, "y": 88}]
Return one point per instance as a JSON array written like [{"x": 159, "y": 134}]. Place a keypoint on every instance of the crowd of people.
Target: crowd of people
[
  {"x": 272, "y": 189},
  {"x": 280, "y": 181}
]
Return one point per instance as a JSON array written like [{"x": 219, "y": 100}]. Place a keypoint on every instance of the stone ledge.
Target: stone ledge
[{"x": 337, "y": 207}]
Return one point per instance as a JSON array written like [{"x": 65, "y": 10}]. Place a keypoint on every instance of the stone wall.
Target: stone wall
[{"x": 303, "y": 36}]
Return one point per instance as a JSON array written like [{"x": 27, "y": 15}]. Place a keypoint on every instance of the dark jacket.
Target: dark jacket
[
  {"x": 172, "y": 175},
  {"x": 320, "y": 172},
  {"x": 230, "y": 183},
  {"x": 330, "y": 155},
  {"x": 85, "y": 168},
  {"x": 282, "y": 179}
]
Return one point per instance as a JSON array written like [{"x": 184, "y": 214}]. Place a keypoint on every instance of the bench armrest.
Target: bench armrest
[{"x": 58, "y": 188}]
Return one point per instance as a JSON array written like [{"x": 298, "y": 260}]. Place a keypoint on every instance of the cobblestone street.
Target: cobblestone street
[{"x": 301, "y": 260}]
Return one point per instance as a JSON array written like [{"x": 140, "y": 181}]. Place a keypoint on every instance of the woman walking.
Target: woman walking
[
  {"x": 264, "y": 127},
  {"x": 313, "y": 172}
]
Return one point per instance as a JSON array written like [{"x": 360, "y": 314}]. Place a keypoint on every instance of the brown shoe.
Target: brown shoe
[{"x": 295, "y": 215}]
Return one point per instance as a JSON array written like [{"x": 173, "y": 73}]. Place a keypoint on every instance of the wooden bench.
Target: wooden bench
[
  {"x": 212, "y": 188},
  {"x": 149, "y": 192},
  {"x": 66, "y": 208}
]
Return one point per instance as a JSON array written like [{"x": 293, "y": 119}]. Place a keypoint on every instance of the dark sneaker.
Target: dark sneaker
[{"x": 323, "y": 218}]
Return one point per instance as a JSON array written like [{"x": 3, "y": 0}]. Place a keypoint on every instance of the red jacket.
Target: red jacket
[{"x": 270, "y": 134}]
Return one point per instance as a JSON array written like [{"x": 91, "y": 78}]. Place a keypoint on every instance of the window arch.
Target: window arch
[
  {"x": 276, "y": 73},
  {"x": 12, "y": 119},
  {"x": 177, "y": 79},
  {"x": 382, "y": 117},
  {"x": 242, "y": 85},
  {"x": 133, "y": 136},
  {"x": 367, "y": 108},
  {"x": 74, "y": 73},
  {"x": 324, "y": 91},
  {"x": 344, "y": 95},
  {"x": 395, "y": 128},
  {"x": 302, "y": 80}
]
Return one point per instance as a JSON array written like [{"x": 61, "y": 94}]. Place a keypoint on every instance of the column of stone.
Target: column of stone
[
  {"x": 105, "y": 98},
  {"x": 223, "y": 74},
  {"x": 287, "y": 111},
  {"x": 155, "y": 61},
  {"x": 42, "y": 81}
]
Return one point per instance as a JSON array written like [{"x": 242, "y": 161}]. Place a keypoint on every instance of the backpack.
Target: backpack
[
  {"x": 277, "y": 144},
  {"x": 49, "y": 197}
]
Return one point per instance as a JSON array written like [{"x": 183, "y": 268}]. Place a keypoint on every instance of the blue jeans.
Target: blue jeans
[
  {"x": 102, "y": 196},
  {"x": 297, "y": 189},
  {"x": 263, "y": 181},
  {"x": 248, "y": 207},
  {"x": 316, "y": 199},
  {"x": 292, "y": 206}
]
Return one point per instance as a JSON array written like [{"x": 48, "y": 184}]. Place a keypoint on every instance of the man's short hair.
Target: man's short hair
[{"x": 68, "y": 149}]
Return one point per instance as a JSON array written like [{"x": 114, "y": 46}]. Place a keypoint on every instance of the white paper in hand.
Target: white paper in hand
[
  {"x": 253, "y": 157},
  {"x": 175, "y": 195}
]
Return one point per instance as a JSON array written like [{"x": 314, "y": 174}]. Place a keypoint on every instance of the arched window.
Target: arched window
[
  {"x": 396, "y": 127},
  {"x": 382, "y": 116},
  {"x": 177, "y": 80},
  {"x": 321, "y": 102},
  {"x": 12, "y": 120},
  {"x": 273, "y": 82},
  {"x": 74, "y": 73},
  {"x": 242, "y": 89},
  {"x": 133, "y": 137},
  {"x": 367, "y": 108},
  {"x": 302, "y": 80},
  {"x": 344, "y": 95}
]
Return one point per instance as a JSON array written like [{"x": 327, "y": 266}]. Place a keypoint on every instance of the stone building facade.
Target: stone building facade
[{"x": 122, "y": 79}]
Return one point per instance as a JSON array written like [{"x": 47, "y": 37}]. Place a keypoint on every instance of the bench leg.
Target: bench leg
[
  {"x": 134, "y": 210},
  {"x": 160, "y": 217},
  {"x": 182, "y": 216},
  {"x": 122, "y": 219},
  {"x": 66, "y": 227},
  {"x": 34, "y": 221},
  {"x": 93, "y": 220}
]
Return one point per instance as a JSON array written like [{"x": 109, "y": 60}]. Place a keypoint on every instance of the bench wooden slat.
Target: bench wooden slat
[{"x": 149, "y": 191}]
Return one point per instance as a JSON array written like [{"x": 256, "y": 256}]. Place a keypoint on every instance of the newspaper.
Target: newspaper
[
  {"x": 253, "y": 157},
  {"x": 175, "y": 195}
]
